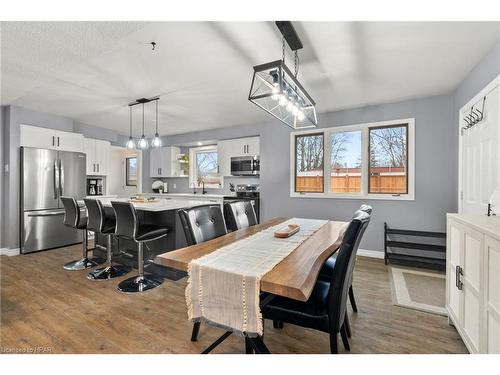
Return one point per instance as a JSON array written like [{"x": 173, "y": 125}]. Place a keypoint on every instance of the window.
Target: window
[
  {"x": 131, "y": 171},
  {"x": 388, "y": 160},
  {"x": 309, "y": 163},
  {"x": 204, "y": 167},
  {"x": 345, "y": 159},
  {"x": 373, "y": 161}
]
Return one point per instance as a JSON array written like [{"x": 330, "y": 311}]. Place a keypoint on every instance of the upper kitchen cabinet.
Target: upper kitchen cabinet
[
  {"x": 233, "y": 148},
  {"x": 98, "y": 154},
  {"x": 34, "y": 136},
  {"x": 163, "y": 162},
  {"x": 245, "y": 146}
]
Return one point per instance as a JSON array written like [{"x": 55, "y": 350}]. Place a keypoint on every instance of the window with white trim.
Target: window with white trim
[
  {"x": 364, "y": 161},
  {"x": 204, "y": 167}
]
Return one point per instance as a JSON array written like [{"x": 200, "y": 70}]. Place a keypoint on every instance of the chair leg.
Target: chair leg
[
  {"x": 248, "y": 346},
  {"x": 83, "y": 263},
  {"x": 140, "y": 283},
  {"x": 196, "y": 330},
  {"x": 347, "y": 325},
  {"x": 278, "y": 324},
  {"x": 110, "y": 271},
  {"x": 345, "y": 340},
  {"x": 353, "y": 301},
  {"x": 333, "y": 343}
]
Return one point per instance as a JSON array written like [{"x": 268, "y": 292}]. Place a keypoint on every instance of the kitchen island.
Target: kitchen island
[{"x": 162, "y": 212}]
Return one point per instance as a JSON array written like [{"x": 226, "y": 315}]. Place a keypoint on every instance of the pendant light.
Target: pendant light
[
  {"x": 143, "y": 142},
  {"x": 130, "y": 142},
  {"x": 277, "y": 90},
  {"x": 156, "y": 142}
]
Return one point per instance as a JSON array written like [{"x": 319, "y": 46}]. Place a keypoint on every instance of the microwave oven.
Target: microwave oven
[{"x": 245, "y": 166}]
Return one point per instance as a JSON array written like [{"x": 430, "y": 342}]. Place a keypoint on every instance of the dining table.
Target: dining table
[{"x": 293, "y": 277}]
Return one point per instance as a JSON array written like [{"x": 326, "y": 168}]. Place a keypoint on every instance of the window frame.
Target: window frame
[
  {"x": 295, "y": 161},
  {"x": 402, "y": 125},
  {"x": 127, "y": 170},
  {"x": 193, "y": 177},
  {"x": 365, "y": 144}
]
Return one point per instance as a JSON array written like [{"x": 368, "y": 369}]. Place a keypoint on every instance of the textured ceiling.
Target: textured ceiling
[{"x": 89, "y": 71}]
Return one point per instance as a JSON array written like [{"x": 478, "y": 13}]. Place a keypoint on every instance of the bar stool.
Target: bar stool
[
  {"x": 74, "y": 219},
  {"x": 239, "y": 215},
  {"x": 128, "y": 227},
  {"x": 98, "y": 222}
]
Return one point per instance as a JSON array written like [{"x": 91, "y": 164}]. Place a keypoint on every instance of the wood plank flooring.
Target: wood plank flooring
[{"x": 44, "y": 306}]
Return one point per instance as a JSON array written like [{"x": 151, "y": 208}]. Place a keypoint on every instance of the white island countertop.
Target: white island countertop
[
  {"x": 189, "y": 195},
  {"x": 486, "y": 224},
  {"x": 159, "y": 205}
]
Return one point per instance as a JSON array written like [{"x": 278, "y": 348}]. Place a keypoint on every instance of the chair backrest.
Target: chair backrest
[
  {"x": 96, "y": 217},
  {"x": 344, "y": 265},
  {"x": 71, "y": 212},
  {"x": 202, "y": 223},
  {"x": 126, "y": 219},
  {"x": 239, "y": 214},
  {"x": 366, "y": 208}
]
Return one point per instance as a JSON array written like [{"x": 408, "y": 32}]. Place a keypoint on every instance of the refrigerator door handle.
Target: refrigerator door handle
[
  {"x": 56, "y": 179},
  {"x": 61, "y": 178},
  {"x": 54, "y": 213}
]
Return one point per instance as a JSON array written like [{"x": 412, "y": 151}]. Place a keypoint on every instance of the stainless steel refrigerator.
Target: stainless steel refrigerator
[{"x": 46, "y": 175}]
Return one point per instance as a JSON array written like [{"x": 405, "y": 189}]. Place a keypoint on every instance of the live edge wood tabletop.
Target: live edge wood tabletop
[{"x": 294, "y": 277}]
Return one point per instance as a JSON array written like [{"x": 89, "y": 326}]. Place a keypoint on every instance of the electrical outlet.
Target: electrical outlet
[{"x": 175, "y": 186}]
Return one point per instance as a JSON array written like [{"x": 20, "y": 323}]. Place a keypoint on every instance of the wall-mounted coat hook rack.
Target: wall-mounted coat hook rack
[{"x": 474, "y": 117}]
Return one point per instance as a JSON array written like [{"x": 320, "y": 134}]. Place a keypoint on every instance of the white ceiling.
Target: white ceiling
[{"x": 89, "y": 71}]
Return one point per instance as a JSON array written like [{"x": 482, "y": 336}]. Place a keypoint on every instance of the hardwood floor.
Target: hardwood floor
[{"x": 44, "y": 306}]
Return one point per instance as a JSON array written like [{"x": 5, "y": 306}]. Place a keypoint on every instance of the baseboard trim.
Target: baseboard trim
[
  {"x": 9, "y": 252},
  {"x": 370, "y": 253}
]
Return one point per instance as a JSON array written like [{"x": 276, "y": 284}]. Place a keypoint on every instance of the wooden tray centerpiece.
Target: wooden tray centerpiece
[{"x": 287, "y": 231}]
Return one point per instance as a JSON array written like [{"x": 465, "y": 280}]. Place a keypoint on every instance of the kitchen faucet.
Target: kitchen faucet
[{"x": 203, "y": 191}]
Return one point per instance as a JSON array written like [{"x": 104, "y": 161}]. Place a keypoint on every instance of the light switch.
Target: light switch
[{"x": 6, "y": 168}]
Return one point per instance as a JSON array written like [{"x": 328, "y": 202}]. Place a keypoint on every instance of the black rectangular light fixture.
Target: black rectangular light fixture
[{"x": 277, "y": 90}]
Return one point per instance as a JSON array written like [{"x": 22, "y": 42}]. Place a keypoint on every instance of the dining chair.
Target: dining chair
[
  {"x": 73, "y": 218},
  {"x": 200, "y": 224},
  {"x": 239, "y": 215},
  {"x": 327, "y": 270},
  {"x": 325, "y": 310}
]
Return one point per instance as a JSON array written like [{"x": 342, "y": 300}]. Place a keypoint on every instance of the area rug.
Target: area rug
[{"x": 419, "y": 290}]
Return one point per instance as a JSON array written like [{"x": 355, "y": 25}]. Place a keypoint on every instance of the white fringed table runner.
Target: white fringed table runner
[{"x": 223, "y": 287}]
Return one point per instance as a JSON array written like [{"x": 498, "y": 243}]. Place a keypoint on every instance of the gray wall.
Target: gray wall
[
  {"x": 2, "y": 148},
  {"x": 435, "y": 155},
  {"x": 13, "y": 117}
]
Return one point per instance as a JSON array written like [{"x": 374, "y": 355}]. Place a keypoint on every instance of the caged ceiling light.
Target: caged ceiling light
[{"x": 277, "y": 90}]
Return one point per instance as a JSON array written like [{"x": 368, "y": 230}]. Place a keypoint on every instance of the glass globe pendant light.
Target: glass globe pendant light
[
  {"x": 143, "y": 143},
  {"x": 156, "y": 142},
  {"x": 130, "y": 143}
]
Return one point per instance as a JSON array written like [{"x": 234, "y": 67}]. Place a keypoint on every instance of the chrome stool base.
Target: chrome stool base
[
  {"x": 107, "y": 273},
  {"x": 78, "y": 265},
  {"x": 139, "y": 284}
]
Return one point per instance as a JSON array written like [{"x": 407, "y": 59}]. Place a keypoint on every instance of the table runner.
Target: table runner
[{"x": 224, "y": 286}]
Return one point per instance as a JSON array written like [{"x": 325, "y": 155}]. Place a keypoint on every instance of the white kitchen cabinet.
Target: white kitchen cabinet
[
  {"x": 163, "y": 162},
  {"x": 98, "y": 155},
  {"x": 34, "y": 136},
  {"x": 473, "y": 280},
  {"x": 233, "y": 148}
]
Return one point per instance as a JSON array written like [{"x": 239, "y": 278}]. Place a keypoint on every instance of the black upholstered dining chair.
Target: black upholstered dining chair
[
  {"x": 327, "y": 270},
  {"x": 325, "y": 310},
  {"x": 129, "y": 227},
  {"x": 73, "y": 218},
  {"x": 200, "y": 224},
  {"x": 99, "y": 222},
  {"x": 239, "y": 215}
]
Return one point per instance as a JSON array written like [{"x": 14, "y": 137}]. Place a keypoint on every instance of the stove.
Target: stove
[{"x": 247, "y": 192}]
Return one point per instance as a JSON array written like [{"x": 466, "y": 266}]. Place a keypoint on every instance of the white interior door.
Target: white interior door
[{"x": 480, "y": 156}]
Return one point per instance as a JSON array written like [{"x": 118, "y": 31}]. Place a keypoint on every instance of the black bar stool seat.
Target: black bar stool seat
[
  {"x": 129, "y": 227},
  {"x": 99, "y": 222},
  {"x": 74, "y": 219}
]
